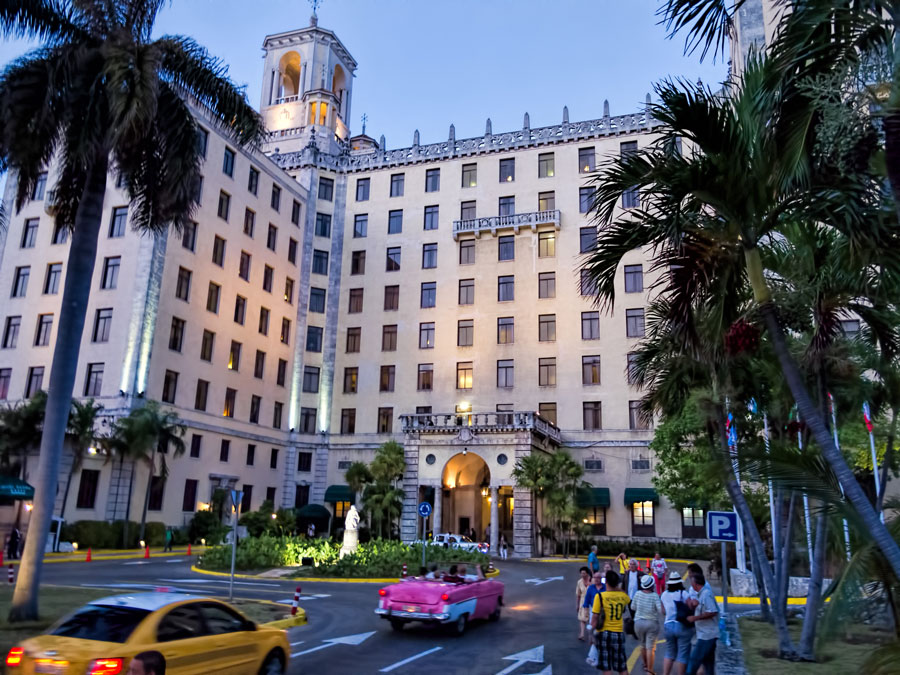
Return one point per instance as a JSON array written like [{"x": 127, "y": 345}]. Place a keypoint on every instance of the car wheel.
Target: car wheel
[
  {"x": 397, "y": 625},
  {"x": 273, "y": 665},
  {"x": 460, "y": 626},
  {"x": 495, "y": 615}
]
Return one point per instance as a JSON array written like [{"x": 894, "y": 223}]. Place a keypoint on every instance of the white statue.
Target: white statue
[{"x": 351, "y": 532}]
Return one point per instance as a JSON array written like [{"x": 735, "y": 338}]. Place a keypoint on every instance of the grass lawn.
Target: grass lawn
[{"x": 842, "y": 654}]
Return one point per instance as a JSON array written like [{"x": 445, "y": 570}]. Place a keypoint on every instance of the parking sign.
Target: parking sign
[{"x": 722, "y": 526}]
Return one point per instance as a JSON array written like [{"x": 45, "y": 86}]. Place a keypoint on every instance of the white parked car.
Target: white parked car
[{"x": 459, "y": 541}]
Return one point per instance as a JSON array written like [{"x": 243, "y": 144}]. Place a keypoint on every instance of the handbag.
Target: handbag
[
  {"x": 601, "y": 617},
  {"x": 682, "y": 612}
]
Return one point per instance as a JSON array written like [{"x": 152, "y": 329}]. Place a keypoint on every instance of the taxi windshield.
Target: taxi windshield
[{"x": 101, "y": 622}]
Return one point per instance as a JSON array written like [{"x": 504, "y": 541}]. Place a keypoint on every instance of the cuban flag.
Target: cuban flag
[
  {"x": 867, "y": 417},
  {"x": 752, "y": 406},
  {"x": 731, "y": 432}
]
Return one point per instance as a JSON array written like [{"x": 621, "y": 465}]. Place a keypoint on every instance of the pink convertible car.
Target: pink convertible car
[{"x": 447, "y": 600}]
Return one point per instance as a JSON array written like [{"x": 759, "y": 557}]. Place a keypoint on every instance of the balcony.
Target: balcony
[
  {"x": 490, "y": 422},
  {"x": 514, "y": 222},
  {"x": 286, "y": 99}
]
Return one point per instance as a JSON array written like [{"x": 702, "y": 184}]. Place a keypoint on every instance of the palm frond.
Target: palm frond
[
  {"x": 50, "y": 21},
  {"x": 708, "y": 23}
]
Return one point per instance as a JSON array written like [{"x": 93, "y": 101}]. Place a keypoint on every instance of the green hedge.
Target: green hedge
[
  {"x": 377, "y": 558},
  {"x": 103, "y": 534},
  {"x": 640, "y": 548}
]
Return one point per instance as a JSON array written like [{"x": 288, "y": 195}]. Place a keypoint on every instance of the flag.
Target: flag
[
  {"x": 752, "y": 406},
  {"x": 731, "y": 432},
  {"x": 867, "y": 417}
]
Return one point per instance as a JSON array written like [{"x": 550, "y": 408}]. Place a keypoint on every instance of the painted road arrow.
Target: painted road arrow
[
  {"x": 352, "y": 640},
  {"x": 538, "y": 582},
  {"x": 546, "y": 671},
  {"x": 534, "y": 655}
]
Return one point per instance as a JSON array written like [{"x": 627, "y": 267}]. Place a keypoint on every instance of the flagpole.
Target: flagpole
[
  {"x": 775, "y": 524},
  {"x": 838, "y": 446},
  {"x": 867, "y": 418},
  {"x": 731, "y": 432},
  {"x": 809, "y": 542}
]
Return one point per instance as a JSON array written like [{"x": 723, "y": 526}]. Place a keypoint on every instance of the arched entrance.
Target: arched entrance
[{"x": 466, "y": 479}]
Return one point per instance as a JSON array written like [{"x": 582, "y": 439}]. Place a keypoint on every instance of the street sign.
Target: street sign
[
  {"x": 722, "y": 526},
  {"x": 237, "y": 496},
  {"x": 424, "y": 509}
]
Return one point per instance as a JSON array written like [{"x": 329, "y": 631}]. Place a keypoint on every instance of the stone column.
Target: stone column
[
  {"x": 495, "y": 520},
  {"x": 409, "y": 517},
  {"x": 438, "y": 508}
]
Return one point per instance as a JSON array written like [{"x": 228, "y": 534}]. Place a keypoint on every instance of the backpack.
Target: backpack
[{"x": 682, "y": 612}]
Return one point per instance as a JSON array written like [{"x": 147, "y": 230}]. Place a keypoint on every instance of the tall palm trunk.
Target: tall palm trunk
[
  {"x": 128, "y": 505},
  {"x": 810, "y": 413},
  {"x": 62, "y": 510},
  {"x": 23, "y": 469},
  {"x": 76, "y": 292},
  {"x": 147, "y": 493},
  {"x": 787, "y": 548},
  {"x": 807, "y": 647}
]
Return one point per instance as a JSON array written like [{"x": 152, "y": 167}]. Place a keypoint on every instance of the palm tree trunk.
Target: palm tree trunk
[
  {"x": 787, "y": 548},
  {"x": 147, "y": 493},
  {"x": 810, "y": 413},
  {"x": 888, "y": 460},
  {"x": 23, "y": 469},
  {"x": 76, "y": 292},
  {"x": 128, "y": 506},
  {"x": 62, "y": 511},
  {"x": 807, "y": 645}
]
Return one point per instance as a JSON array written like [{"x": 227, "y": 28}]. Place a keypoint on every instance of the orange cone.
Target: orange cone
[
  {"x": 88, "y": 559},
  {"x": 146, "y": 552},
  {"x": 189, "y": 548},
  {"x": 1, "y": 557}
]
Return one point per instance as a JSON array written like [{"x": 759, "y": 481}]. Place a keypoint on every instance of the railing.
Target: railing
[
  {"x": 284, "y": 133},
  {"x": 489, "y": 422},
  {"x": 514, "y": 221},
  {"x": 287, "y": 99}
]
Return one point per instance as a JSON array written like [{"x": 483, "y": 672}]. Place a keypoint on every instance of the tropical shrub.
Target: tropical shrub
[{"x": 206, "y": 525}]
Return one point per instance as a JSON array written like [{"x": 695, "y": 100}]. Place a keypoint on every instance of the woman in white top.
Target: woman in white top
[
  {"x": 678, "y": 635},
  {"x": 647, "y": 608}
]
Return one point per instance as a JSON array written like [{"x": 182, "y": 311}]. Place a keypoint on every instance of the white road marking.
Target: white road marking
[
  {"x": 320, "y": 595},
  {"x": 220, "y": 581},
  {"x": 294, "y": 644},
  {"x": 394, "y": 666},
  {"x": 534, "y": 655},
  {"x": 137, "y": 562},
  {"x": 353, "y": 640},
  {"x": 177, "y": 560},
  {"x": 538, "y": 582}
]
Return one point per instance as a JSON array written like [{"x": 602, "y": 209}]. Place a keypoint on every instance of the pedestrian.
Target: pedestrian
[
  {"x": 693, "y": 568},
  {"x": 504, "y": 545},
  {"x": 705, "y": 620},
  {"x": 598, "y": 585},
  {"x": 147, "y": 663},
  {"x": 611, "y": 605},
  {"x": 660, "y": 570},
  {"x": 593, "y": 560},
  {"x": 12, "y": 549},
  {"x": 582, "y": 612},
  {"x": 646, "y": 608},
  {"x": 487, "y": 533},
  {"x": 632, "y": 579},
  {"x": 622, "y": 559},
  {"x": 169, "y": 537},
  {"x": 311, "y": 531},
  {"x": 678, "y": 634}
]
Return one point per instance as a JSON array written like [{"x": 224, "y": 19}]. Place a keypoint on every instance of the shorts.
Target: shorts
[
  {"x": 611, "y": 652},
  {"x": 646, "y": 630},
  {"x": 678, "y": 641}
]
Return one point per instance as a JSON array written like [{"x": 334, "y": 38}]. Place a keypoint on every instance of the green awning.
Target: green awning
[
  {"x": 338, "y": 493},
  {"x": 14, "y": 488},
  {"x": 591, "y": 497},
  {"x": 313, "y": 511},
  {"x": 635, "y": 495}
]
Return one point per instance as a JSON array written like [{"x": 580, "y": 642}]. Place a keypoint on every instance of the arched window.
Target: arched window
[{"x": 289, "y": 84}]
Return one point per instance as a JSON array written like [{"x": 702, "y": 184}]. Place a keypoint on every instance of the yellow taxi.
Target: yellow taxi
[{"x": 194, "y": 635}]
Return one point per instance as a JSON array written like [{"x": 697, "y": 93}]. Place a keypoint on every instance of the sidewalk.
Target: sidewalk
[{"x": 112, "y": 554}]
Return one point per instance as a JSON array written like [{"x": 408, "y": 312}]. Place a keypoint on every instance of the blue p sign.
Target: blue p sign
[
  {"x": 424, "y": 509},
  {"x": 722, "y": 526}
]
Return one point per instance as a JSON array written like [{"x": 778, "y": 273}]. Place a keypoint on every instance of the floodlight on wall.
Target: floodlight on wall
[{"x": 465, "y": 451}]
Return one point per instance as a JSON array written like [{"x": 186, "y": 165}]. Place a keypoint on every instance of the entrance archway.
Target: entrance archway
[{"x": 466, "y": 479}]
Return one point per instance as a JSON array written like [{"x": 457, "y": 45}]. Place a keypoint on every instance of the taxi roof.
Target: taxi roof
[{"x": 146, "y": 601}]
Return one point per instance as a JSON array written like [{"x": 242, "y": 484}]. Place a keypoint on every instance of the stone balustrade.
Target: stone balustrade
[
  {"x": 487, "y": 422},
  {"x": 515, "y": 222}
]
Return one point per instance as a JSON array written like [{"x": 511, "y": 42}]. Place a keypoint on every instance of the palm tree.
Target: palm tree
[
  {"x": 82, "y": 435},
  {"x": 382, "y": 497},
  {"x": 101, "y": 92},
  {"x": 358, "y": 477},
  {"x": 20, "y": 425},
  {"x": 532, "y": 473},
  {"x": 162, "y": 431}
]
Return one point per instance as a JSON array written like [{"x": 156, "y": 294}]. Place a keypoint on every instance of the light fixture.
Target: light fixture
[
  {"x": 274, "y": 516},
  {"x": 29, "y": 506},
  {"x": 203, "y": 542},
  {"x": 92, "y": 450},
  {"x": 74, "y": 545},
  {"x": 143, "y": 545}
]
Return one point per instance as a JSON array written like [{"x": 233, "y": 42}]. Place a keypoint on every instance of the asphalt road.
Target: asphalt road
[{"x": 344, "y": 636}]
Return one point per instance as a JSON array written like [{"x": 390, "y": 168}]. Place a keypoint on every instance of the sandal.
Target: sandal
[{"x": 581, "y": 637}]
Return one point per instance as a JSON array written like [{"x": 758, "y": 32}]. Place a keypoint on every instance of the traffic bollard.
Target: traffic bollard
[
  {"x": 296, "y": 603},
  {"x": 189, "y": 548},
  {"x": 88, "y": 558},
  {"x": 146, "y": 552},
  {"x": 403, "y": 574},
  {"x": 11, "y": 577}
]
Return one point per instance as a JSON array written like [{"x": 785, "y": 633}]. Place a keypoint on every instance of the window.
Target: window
[
  {"x": 234, "y": 356},
  {"x": 285, "y": 331},
  {"x": 588, "y": 285},
  {"x": 118, "y": 221},
  {"x": 360, "y": 225},
  {"x": 464, "y": 375},
  {"x": 642, "y": 520},
  {"x": 60, "y": 234},
  {"x": 206, "y": 345},
  {"x": 507, "y": 170},
  {"x": 507, "y": 206},
  {"x": 505, "y": 373},
  {"x": 196, "y": 441},
  {"x": 218, "y": 252},
  {"x": 395, "y": 221},
  {"x": 198, "y": 190},
  {"x": 20, "y": 281},
  {"x": 281, "y": 372},
  {"x": 304, "y": 461},
  {"x": 397, "y": 181},
  {"x": 244, "y": 266},
  {"x": 240, "y": 309},
  {"x": 467, "y": 210},
  {"x": 224, "y": 206},
  {"x": 87, "y": 489},
  {"x": 432, "y": 180},
  {"x": 634, "y": 278},
  {"x": 386, "y": 379},
  {"x": 51, "y": 280},
  {"x": 326, "y": 189},
  {"x": 263, "y": 326},
  {"x": 255, "y": 404},
  {"x": 392, "y": 263},
  {"x": 467, "y": 252},
  {"x": 634, "y": 322},
  {"x": 631, "y": 367},
  {"x": 102, "y": 324},
  {"x": 311, "y": 379},
  {"x": 189, "y": 236},
  {"x": 547, "y": 328},
  {"x": 253, "y": 181},
  {"x": 5, "y": 377},
  {"x": 547, "y": 411},
  {"x": 228, "y": 408},
  {"x": 546, "y": 164},
  {"x": 391, "y": 298},
  {"x": 635, "y": 419},
  {"x": 189, "y": 501},
  {"x": 426, "y": 335},
  {"x": 35, "y": 381},
  {"x": 546, "y": 244},
  {"x": 320, "y": 262},
  {"x": 628, "y": 148},
  {"x": 465, "y": 332},
  {"x": 228, "y": 162},
  {"x": 431, "y": 218},
  {"x": 11, "y": 332},
  {"x": 587, "y": 239},
  {"x": 546, "y": 201},
  {"x": 323, "y": 225},
  {"x": 289, "y": 291},
  {"x": 301, "y": 495},
  {"x": 466, "y": 291},
  {"x": 586, "y": 160},
  {"x": 259, "y": 364},
  {"x": 590, "y": 325},
  {"x": 268, "y": 276},
  {"x": 693, "y": 523},
  {"x": 317, "y": 300},
  {"x": 183, "y": 284},
  {"x": 93, "y": 380},
  {"x": 506, "y": 288},
  {"x": 176, "y": 334},
  {"x": 547, "y": 372},
  {"x": 275, "y": 201},
  {"x": 295, "y": 212},
  {"x": 354, "y": 337},
  {"x": 246, "y": 504},
  {"x": 40, "y": 186},
  {"x": 348, "y": 420},
  {"x": 592, "y": 415},
  {"x": 547, "y": 285},
  {"x": 358, "y": 262},
  {"x": 356, "y": 301},
  {"x": 469, "y": 175},
  {"x": 224, "y": 450},
  {"x": 429, "y": 256},
  {"x": 29, "y": 233},
  {"x": 585, "y": 199},
  {"x": 201, "y": 395},
  {"x": 362, "y": 189},
  {"x": 506, "y": 418},
  {"x": 506, "y": 250},
  {"x": 850, "y": 328},
  {"x": 505, "y": 330},
  {"x": 593, "y": 465},
  {"x": 631, "y": 199},
  {"x": 44, "y": 327},
  {"x": 425, "y": 377},
  {"x": 428, "y": 295},
  {"x": 351, "y": 380},
  {"x": 109, "y": 278},
  {"x": 170, "y": 386},
  {"x": 271, "y": 237},
  {"x": 212, "y": 297},
  {"x": 314, "y": 339},
  {"x": 292, "y": 251},
  {"x": 385, "y": 420}
]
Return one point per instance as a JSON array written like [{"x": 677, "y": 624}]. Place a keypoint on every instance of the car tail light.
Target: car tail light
[
  {"x": 14, "y": 658},
  {"x": 382, "y": 592},
  {"x": 445, "y": 597},
  {"x": 105, "y": 667}
]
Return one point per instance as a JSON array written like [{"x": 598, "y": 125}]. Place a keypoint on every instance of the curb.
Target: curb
[
  {"x": 310, "y": 580},
  {"x": 102, "y": 558},
  {"x": 290, "y": 622}
]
